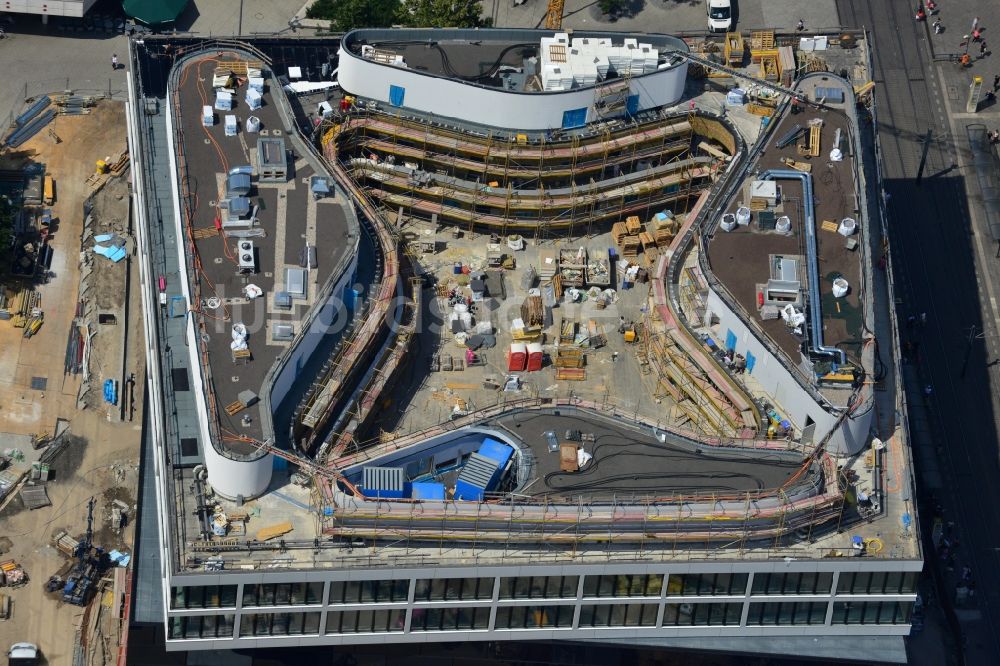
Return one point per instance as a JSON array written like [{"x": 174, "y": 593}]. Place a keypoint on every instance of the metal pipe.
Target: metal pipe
[{"x": 816, "y": 345}]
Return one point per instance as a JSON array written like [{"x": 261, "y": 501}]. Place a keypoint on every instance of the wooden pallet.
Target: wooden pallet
[
  {"x": 571, "y": 374},
  {"x": 804, "y": 167},
  {"x": 204, "y": 232},
  {"x": 647, "y": 240},
  {"x": 618, "y": 232},
  {"x": 762, "y": 39},
  {"x": 242, "y": 355},
  {"x": 630, "y": 246},
  {"x": 758, "y": 203},
  {"x": 238, "y": 67},
  {"x": 664, "y": 237},
  {"x": 829, "y": 225},
  {"x": 633, "y": 225},
  {"x": 235, "y": 408}
]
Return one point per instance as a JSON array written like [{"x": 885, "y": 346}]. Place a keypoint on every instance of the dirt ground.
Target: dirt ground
[{"x": 102, "y": 457}]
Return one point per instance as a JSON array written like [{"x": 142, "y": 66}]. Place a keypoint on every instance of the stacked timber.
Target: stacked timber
[{"x": 532, "y": 311}]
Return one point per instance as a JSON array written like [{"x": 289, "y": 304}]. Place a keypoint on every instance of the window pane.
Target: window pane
[
  {"x": 503, "y": 617},
  {"x": 607, "y": 586},
  {"x": 909, "y": 582},
  {"x": 384, "y": 590},
  {"x": 349, "y": 623},
  {"x": 733, "y": 614},
  {"x": 227, "y": 596},
  {"x": 369, "y": 589},
  {"x": 775, "y": 583},
  {"x": 282, "y": 594},
  {"x": 886, "y": 612},
  {"x": 785, "y": 612},
  {"x": 903, "y": 611},
  {"x": 791, "y": 585},
  {"x": 861, "y": 580},
  {"x": 691, "y": 582},
  {"x": 422, "y": 590},
  {"x": 552, "y": 587},
  {"x": 824, "y": 581},
  {"x": 877, "y": 583},
  {"x": 845, "y": 582},
  {"x": 267, "y": 594},
  {"x": 453, "y": 588},
  {"x": 870, "y": 615},
  {"x": 570, "y": 585},
  {"x": 893, "y": 582},
  {"x": 380, "y": 621},
  {"x": 670, "y": 614}
]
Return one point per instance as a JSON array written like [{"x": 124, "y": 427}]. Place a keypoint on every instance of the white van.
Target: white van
[{"x": 720, "y": 15}]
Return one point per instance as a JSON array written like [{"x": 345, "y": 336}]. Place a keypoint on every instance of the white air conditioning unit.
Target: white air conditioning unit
[{"x": 245, "y": 252}]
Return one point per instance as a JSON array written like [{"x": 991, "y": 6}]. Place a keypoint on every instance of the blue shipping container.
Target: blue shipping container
[{"x": 427, "y": 490}]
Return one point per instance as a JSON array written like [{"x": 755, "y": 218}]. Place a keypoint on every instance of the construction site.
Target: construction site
[
  {"x": 73, "y": 373},
  {"x": 649, "y": 339}
]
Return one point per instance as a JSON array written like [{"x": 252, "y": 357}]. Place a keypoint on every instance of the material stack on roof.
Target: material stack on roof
[
  {"x": 548, "y": 265},
  {"x": 630, "y": 246},
  {"x": 532, "y": 311},
  {"x": 618, "y": 232}
]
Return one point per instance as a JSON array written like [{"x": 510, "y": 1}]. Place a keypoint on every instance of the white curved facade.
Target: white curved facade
[
  {"x": 452, "y": 98},
  {"x": 238, "y": 478}
]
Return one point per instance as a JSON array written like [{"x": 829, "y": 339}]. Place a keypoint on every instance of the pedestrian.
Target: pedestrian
[
  {"x": 928, "y": 390},
  {"x": 996, "y": 83},
  {"x": 982, "y": 48},
  {"x": 976, "y": 35},
  {"x": 114, "y": 61},
  {"x": 801, "y": 25},
  {"x": 938, "y": 28},
  {"x": 923, "y": 318}
]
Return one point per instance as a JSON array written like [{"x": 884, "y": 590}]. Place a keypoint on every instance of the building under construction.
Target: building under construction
[{"x": 513, "y": 469}]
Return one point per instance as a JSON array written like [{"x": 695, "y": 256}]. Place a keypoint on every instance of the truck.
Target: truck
[
  {"x": 720, "y": 15},
  {"x": 22, "y": 654}
]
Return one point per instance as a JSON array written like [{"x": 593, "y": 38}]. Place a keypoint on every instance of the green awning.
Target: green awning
[{"x": 154, "y": 12}]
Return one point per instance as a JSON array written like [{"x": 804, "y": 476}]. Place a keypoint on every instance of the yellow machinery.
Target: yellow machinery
[
  {"x": 554, "y": 15},
  {"x": 629, "y": 335}
]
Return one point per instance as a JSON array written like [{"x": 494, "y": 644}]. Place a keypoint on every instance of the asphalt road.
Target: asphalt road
[{"x": 938, "y": 253}]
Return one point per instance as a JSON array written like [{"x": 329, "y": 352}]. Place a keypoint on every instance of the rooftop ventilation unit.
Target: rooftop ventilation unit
[{"x": 247, "y": 260}]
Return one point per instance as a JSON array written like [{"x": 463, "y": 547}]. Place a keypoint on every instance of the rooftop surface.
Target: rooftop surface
[
  {"x": 740, "y": 258},
  {"x": 290, "y": 219},
  {"x": 628, "y": 461},
  {"x": 423, "y": 399}
]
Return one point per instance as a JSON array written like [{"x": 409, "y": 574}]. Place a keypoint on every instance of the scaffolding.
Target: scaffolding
[{"x": 543, "y": 183}]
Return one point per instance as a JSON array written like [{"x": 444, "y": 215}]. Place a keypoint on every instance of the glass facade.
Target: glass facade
[
  {"x": 534, "y": 617},
  {"x": 201, "y": 626},
  {"x": 368, "y": 591},
  {"x": 792, "y": 583},
  {"x": 453, "y": 589},
  {"x": 279, "y": 624},
  {"x": 539, "y": 587},
  {"x": 450, "y": 619},
  {"x": 628, "y": 600},
  {"x": 872, "y": 612},
  {"x": 701, "y": 585},
  {"x": 282, "y": 594},
  {"x": 624, "y": 585},
  {"x": 203, "y": 596},
  {"x": 618, "y": 615},
  {"x": 702, "y": 615},
  {"x": 788, "y": 612},
  {"x": 365, "y": 621},
  {"x": 877, "y": 582}
]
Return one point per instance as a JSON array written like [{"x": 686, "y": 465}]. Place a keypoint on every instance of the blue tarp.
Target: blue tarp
[{"x": 115, "y": 254}]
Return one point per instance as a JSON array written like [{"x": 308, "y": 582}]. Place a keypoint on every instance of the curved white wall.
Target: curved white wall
[
  {"x": 232, "y": 478},
  {"x": 492, "y": 106},
  {"x": 774, "y": 378}
]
